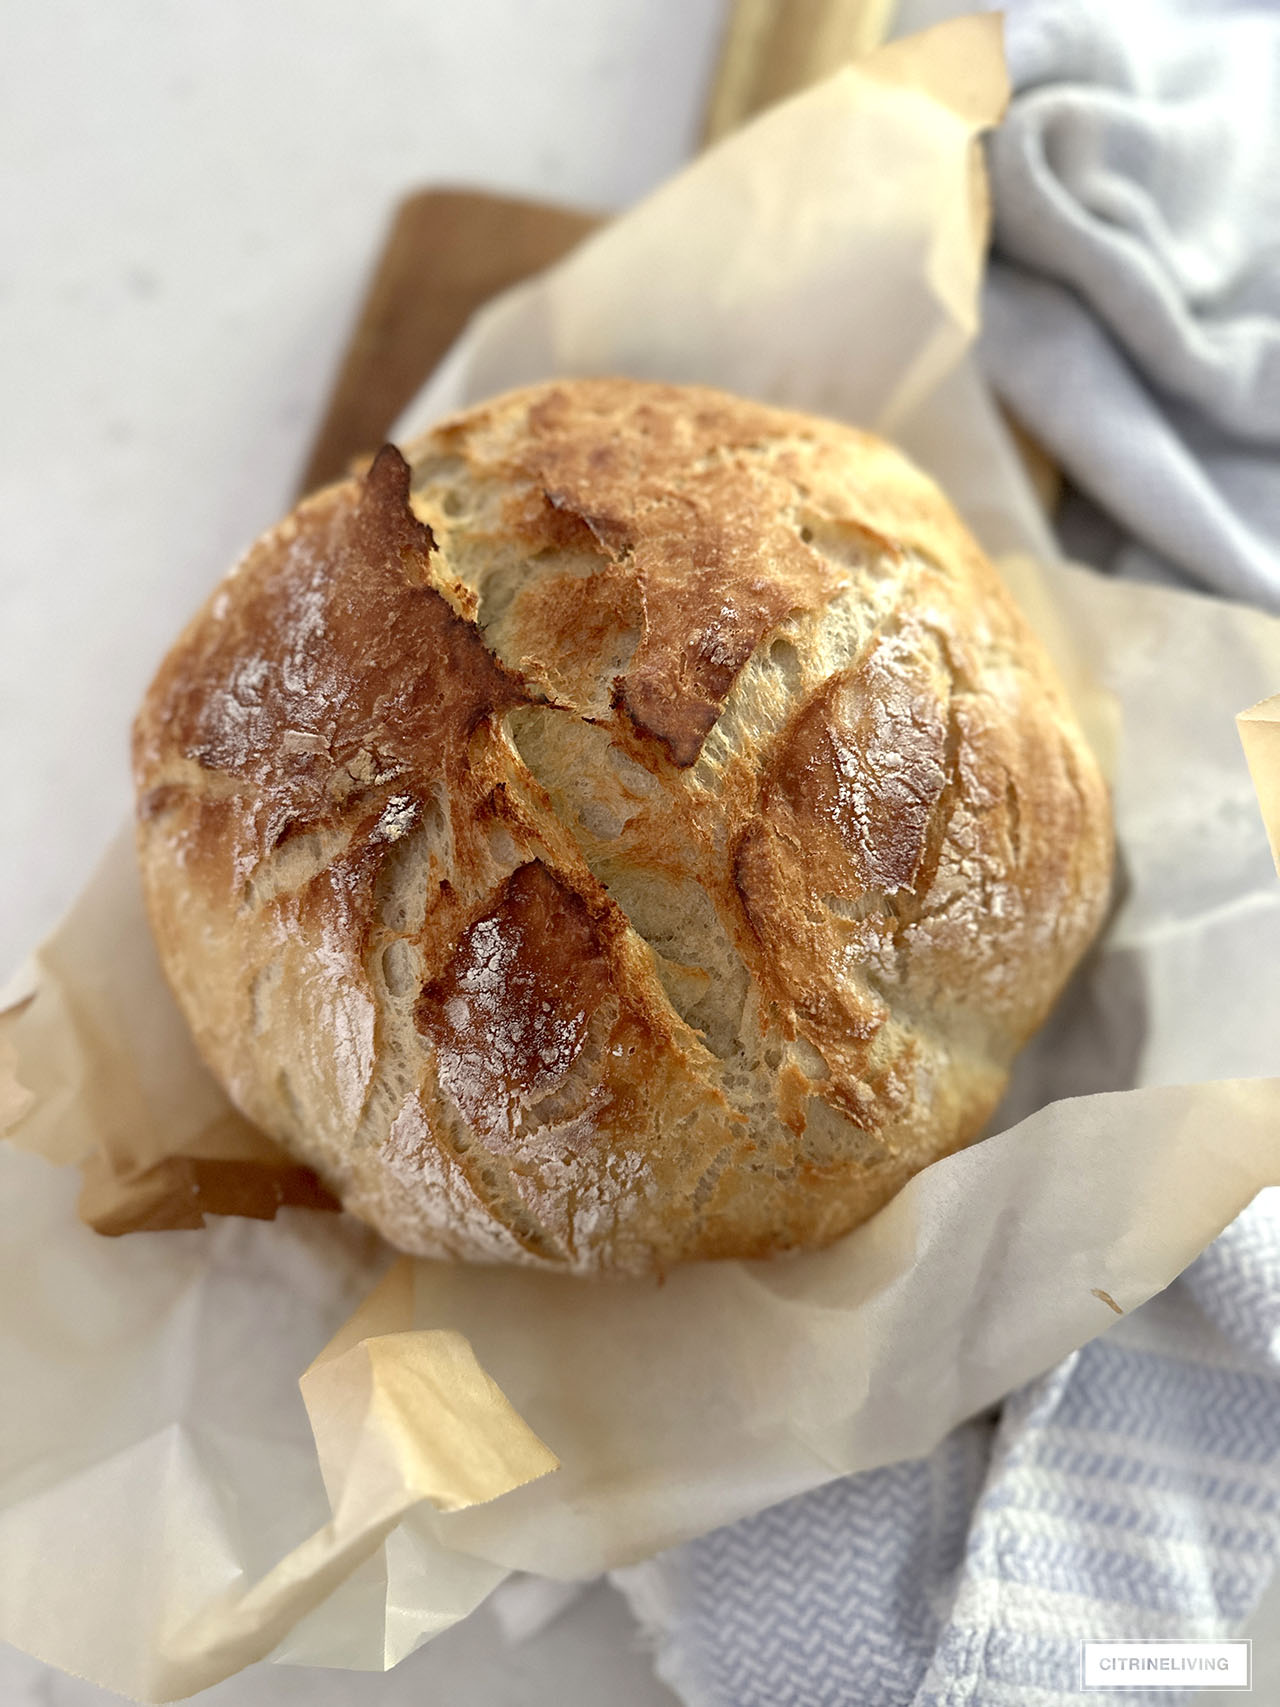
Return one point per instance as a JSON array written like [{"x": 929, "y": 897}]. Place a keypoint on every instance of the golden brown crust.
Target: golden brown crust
[
  {"x": 647, "y": 832},
  {"x": 698, "y": 537}
]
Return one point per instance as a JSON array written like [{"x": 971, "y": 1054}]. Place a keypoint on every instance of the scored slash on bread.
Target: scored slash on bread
[{"x": 638, "y": 826}]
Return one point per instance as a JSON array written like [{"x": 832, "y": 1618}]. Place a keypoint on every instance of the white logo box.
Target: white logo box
[{"x": 1166, "y": 1665}]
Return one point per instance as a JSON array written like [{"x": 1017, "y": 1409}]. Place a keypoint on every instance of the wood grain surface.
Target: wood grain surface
[
  {"x": 775, "y": 48},
  {"x": 446, "y": 253}
]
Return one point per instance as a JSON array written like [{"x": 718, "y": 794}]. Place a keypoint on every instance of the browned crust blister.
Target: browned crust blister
[{"x": 637, "y": 827}]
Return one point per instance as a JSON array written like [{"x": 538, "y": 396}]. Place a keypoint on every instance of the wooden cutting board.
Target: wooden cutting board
[{"x": 448, "y": 251}]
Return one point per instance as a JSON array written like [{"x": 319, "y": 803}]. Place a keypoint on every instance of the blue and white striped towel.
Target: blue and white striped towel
[
  {"x": 1133, "y": 322},
  {"x": 1132, "y": 1491}
]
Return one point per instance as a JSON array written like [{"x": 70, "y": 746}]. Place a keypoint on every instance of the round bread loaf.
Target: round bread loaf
[{"x": 638, "y": 826}]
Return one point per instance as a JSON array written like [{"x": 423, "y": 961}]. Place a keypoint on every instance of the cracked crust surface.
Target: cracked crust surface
[{"x": 638, "y": 826}]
